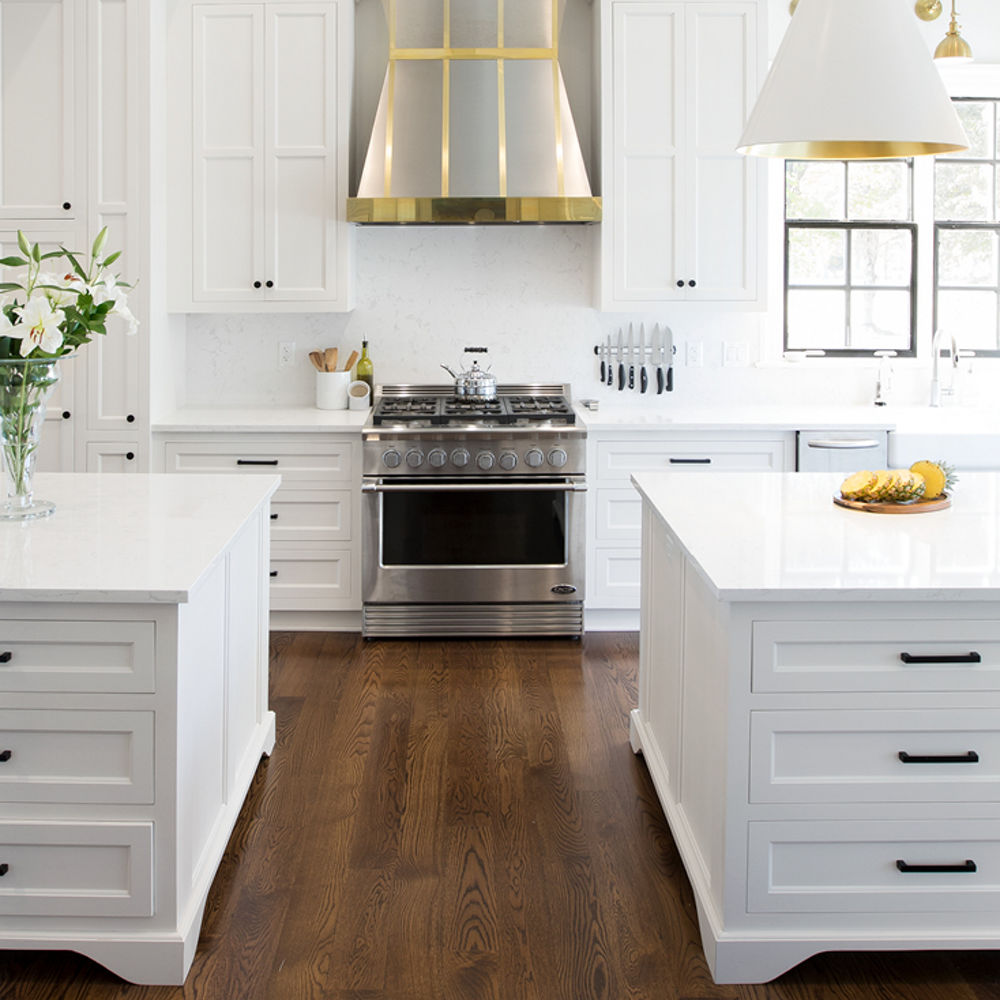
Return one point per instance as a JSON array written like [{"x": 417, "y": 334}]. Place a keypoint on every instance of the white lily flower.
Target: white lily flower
[
  {"x": 39, "y": 326},
  {"x": 65, "y": 290},
  {"x": 107, "y": 288}
]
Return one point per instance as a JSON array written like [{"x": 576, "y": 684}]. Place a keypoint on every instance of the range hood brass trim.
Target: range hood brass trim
[{"x": 459, "y": 211}]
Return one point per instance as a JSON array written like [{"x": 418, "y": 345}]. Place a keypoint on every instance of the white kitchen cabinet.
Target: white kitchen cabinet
[
  {"x": 43, "y": 138},
  {"x": 315, "y": 515},
  {"x": 614, "y": 509},
  {"x": 258, "y": 221},
  {"x": 683, "y": 211}
]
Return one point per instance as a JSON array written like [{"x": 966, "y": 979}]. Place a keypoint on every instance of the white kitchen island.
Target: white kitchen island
[
  {"x": 819, "y": 709},
  {"x": 133, "y": 709}
]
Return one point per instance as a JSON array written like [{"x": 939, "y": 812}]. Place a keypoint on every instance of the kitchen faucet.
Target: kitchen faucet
[
  {"x": 936, "y": 390},
  {"x": 883, "y": 381}
]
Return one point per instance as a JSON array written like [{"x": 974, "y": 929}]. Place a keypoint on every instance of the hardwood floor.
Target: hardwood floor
[{"x": 465, "y": 821}]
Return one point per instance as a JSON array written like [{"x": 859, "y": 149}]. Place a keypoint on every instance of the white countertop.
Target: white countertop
[
  {"x": 125, "y": 537},
  {"x": 304, "y": 419},
  {"x": 779, "y": 536}
]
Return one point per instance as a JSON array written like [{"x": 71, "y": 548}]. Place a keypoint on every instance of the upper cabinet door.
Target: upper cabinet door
[
  {"x": 682, "y": 209},
  {"x": 42, "y": 100}
]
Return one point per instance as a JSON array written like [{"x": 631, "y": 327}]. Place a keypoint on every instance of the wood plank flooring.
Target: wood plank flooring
[{"x": 465, "y": 821}]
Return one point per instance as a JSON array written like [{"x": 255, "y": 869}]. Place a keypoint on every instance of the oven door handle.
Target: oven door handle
[{"x": 563, "y": 486}]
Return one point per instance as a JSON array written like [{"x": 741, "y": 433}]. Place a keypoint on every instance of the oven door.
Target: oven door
[{"x": 473, "y": 540}]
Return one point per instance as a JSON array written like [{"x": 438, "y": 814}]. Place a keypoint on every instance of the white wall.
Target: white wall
[{"x": 424, "y": 293}]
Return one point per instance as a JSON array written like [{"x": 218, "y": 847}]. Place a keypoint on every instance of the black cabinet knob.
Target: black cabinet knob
[
  {"x": 5, "y": 656},
  {"x": 274, "y": 517},
  {"x": 5, "y": 755},
  {"x": 67, "y": 206},
  {"x": 4, "y": 868},
  {"x": 692, "y": 283},
  {"x": 130, "y": 455},
  {"x": 270, "y": 284},
  {"x": 130, "y": 419},
  {"x": 256, "y": 284},
  {"x": 680, "y": 283},
  {"x": 274, "y": 572},
  {"x": 66, "y": 415}
]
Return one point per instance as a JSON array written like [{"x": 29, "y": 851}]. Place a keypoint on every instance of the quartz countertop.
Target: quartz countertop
[
  {"x": 615, "y": 416},
  {"x": 779, "y": 536},
  {"x": 299, "y": 419},
  {"x": 125, "y": 537}
]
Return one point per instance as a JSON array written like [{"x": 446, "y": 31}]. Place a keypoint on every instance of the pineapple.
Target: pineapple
[
  {"x": 938, "y": 477},
  {"x": 906, "y": 486},
  {"x": 881, "y": 490},
  {"x": 857, "y": 485}
]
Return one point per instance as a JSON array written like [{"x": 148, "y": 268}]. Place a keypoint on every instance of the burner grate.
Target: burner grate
[{"x": 441, "y": 410}]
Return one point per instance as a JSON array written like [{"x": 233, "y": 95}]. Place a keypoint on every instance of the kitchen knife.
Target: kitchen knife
[
  {"x": 621, "y": 363},
  {"x": 599, "y": 351},
  {"x": 631, "y": 359},
  {"x": 643, "y": 378},
  {"x": 611, "y": 367},
  {"x": 669, "y": 350},
  {"x": 659, "y": 360}
]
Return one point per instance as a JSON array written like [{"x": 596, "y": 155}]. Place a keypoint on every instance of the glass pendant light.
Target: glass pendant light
[{"x": 852, "y": 80}]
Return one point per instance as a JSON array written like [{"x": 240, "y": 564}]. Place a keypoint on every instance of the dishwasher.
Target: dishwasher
[{"x": 841, "y": 451}]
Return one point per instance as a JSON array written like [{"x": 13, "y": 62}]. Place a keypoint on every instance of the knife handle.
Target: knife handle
[
  {"x": 670, "y": 379},
  {"x": 659, "y": 381},
  {"x": 631, "y": 376},
  {"x": 611, "y": 372},
  {"x": 643, "y": 379},
  {"x": 602, "y": 371},
  {"x": 621, "y": 375}
]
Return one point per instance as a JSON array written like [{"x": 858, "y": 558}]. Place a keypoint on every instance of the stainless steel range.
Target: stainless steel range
[{"x": 473, "y": 513}]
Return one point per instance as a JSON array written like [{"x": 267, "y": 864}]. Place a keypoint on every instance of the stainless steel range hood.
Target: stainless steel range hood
[{"x": 473, "y": 123}]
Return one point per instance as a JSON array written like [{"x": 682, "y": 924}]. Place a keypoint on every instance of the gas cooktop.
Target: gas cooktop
[{"x": 438, "y": 407}]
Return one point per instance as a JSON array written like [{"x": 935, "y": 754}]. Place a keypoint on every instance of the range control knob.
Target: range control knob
[
  {"x": 460, "y": 458},
  {"x": 391, "y": 459},
  {"x": 437, "y": 457},
  {"x": 508, "y": 461},
  {"x": 485, "y": 460},
  {"x": 414, "y": 458},
  {"x": 534, "y": 457},
  {"x": 557, "y": 458}
]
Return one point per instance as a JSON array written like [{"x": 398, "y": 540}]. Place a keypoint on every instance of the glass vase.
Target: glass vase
[{"x": 25, "y": 386}]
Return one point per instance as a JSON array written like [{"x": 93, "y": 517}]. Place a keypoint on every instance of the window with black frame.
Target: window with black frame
[
  {"x": 967, "y": 233},
  {"x": 850, "y": 257}
]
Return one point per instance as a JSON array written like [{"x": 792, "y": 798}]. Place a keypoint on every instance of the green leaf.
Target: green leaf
[
  {"x": 111, "y": 258},
  {"x": 99, "y": 242},
  {"x": 22, "y": 242},
  {"x": 10, "y": 286},
  {"x": 71, "y": 257},
  {"x": 13, "y": 261}
]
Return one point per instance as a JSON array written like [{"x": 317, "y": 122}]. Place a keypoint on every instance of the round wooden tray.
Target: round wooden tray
[{"x": 913, "y": 507}]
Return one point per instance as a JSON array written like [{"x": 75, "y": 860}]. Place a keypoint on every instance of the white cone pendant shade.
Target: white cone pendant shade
[{"x": 853, "y": 80}]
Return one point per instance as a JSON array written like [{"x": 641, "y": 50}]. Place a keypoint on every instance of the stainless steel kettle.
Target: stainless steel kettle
[{"x": 474, "y": 383}]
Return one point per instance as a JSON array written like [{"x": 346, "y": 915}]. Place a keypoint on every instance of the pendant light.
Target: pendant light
[
  {"x": 953, "y": 46},
  {"x": 852, "y": 80}
]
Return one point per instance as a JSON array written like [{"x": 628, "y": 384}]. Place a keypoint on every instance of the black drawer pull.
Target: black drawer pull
[
  {"x": 256, "y": 461},
  {"x": 965, "y": 866},
  {"x": 969, "y": 757},
  {"x": 690, "y": 461},
  {"x": 274, "y": 517},
  {"x": 4, "y": 868},
  {"x": 6, "y": 656},
  {"x": 274, "y": 572},
  {"x": 956, "y": 658},
  {"x": 5, "y": 755}
]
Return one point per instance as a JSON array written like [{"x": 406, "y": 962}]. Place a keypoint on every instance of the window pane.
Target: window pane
[
  {"x": 967, "y": 257},
  {"x": 878, "y": 190},
  {"x": 814, "y": 190},
  {"x": 963, "y": 191},
  {"x": 816, "y": 319},
  {"x": 816, "y": 257},
  {"x": 977, "y": 120},
  {"x": 971, "y": 317},
  {"x": 881, "y": 257},
  {"x": 880, "y": 320}
]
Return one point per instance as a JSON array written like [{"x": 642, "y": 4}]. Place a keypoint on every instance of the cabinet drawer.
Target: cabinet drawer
[
  {"x": 307, "y": 515},
  {"x": 616, "y": 575},
  {"x": 848, "y": 755},
  {"x": 868, "y": 655},
  {"x": 313, "y": 580},
  {"x": 76, "y": 756},
  {"x": 312, "y": 464},
  {"x": 617, "y": 460},
  {"x": 619, "y": 515},
  {"x": 851, "y": 866},
  {"x": 66, "y": 656},
  {"x": 76, "y": 869}
]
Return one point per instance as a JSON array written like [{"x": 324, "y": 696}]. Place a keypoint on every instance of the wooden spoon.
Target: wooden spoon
[
  {"x": 350, "y": 361},
  {"x": 330, "y": 359},
  {"x": 317, "y": 359}
]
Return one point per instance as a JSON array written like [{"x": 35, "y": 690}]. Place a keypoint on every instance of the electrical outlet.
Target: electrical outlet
[
  {"x": 735, "y": 354},
  {"x": 286, "y": 354},
  {"x": 694, "y": 355}
]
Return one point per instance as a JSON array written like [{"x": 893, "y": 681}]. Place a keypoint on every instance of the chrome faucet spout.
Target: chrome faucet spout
[{"x": 936, "y": 390}]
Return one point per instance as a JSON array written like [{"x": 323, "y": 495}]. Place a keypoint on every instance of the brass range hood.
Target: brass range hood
[{"x": 473, "y": 122}]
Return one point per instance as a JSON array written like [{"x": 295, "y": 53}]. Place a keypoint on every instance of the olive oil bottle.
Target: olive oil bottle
[{"x": 365, "y": 371}]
